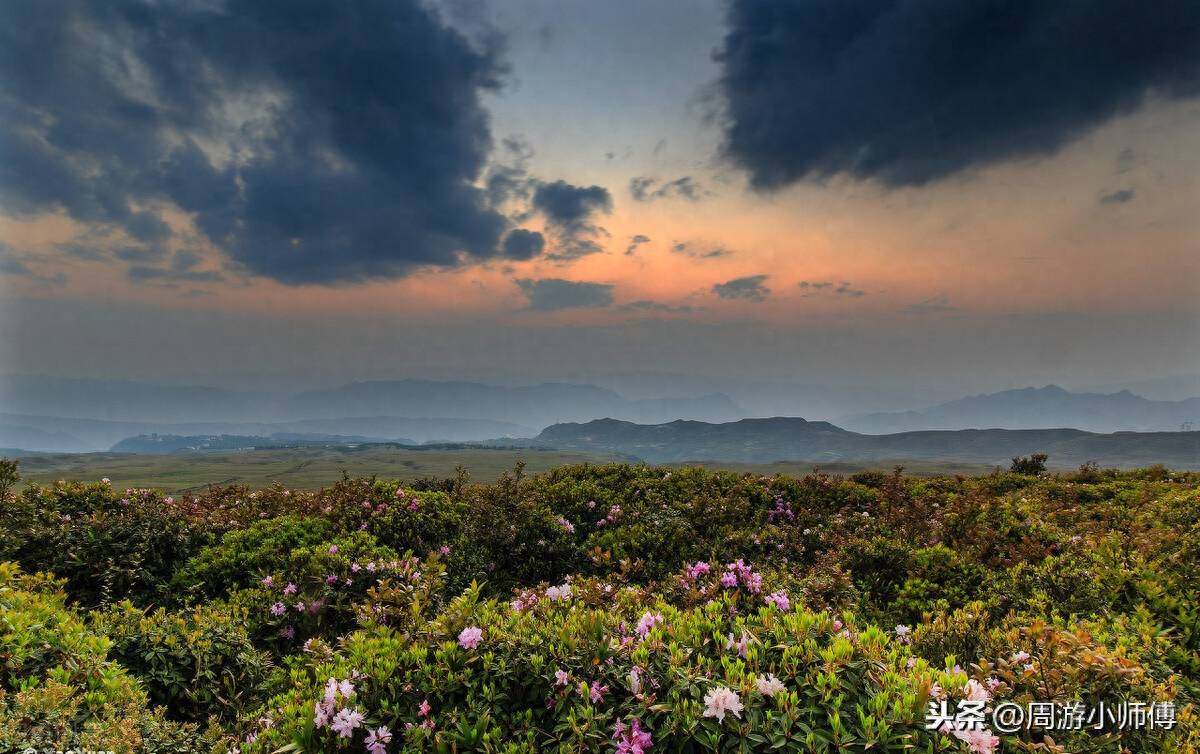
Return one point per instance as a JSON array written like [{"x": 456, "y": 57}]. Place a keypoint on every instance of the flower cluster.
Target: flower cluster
[
  {"x": 782, "y": 512},
  {"x": 633, "y": 739}
]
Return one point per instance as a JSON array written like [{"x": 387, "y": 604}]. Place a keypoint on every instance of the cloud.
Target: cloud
[
  {"x": 181, "y": 270},
  {"x": 817, "y": 287},
  {"x": 645, "y": 305},
  {"x": 644, "y": 189},
  {"x": 750, "y": 288},
  {"x": 635, "y": 242},
  {"x": 910, "y": 92},
  {"x": 569, "y": 212},
  {"x": 552, "y": 294},
  {"x": 311, "y": 142},
  {"x": 523, "y": 244},
  {"x": 705, "y": 252},
  {"x": 1120, "y": 196},
  {"x": 571, "y": 208},
  {"x": 939, "y": 304},
  {"x": 15, "y": 264}
]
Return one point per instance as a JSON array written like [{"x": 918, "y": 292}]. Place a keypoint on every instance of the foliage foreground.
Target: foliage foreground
[{"x": 599, "y": 608}]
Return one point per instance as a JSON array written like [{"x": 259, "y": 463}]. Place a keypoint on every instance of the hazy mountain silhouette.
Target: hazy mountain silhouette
[
  {"x": 794, "y": 439},
  {"x": 533, "y": 405},
  {"x": 1039, "y": 408}
]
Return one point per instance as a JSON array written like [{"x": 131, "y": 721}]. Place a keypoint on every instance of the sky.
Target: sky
[{"x": 913, "y": 199}]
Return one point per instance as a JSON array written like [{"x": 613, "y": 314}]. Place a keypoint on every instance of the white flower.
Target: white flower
[
  {"x": 720, "y": 700},
  {"x": 903, "y": 630},
  {"x": 769, "y": 685}
]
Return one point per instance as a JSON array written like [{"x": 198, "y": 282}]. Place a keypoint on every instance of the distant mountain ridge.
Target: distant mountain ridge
[
  {"x": 67, "y": 435},
  {"x": 166, "y": 444},
  {"x": 795, "y": 439},
  {"x": 528, "y": 407},
  {"x": 1039, "y": 408},
  {"x": 531, "y": 405}
]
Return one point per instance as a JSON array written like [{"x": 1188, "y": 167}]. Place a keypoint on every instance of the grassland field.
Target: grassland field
[{"x": 314, "y": 467}]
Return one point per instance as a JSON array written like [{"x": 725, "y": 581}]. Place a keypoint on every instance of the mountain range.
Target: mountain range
[
  {"x": 795, "y": 439},
  {"x": 1038, "y": 408}
]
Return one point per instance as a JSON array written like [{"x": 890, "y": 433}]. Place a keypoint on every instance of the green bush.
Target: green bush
[
  {"x": 196, "y": 664},
  {"x": 59, "y": 689},
  {"x": 106, "y": 545}
]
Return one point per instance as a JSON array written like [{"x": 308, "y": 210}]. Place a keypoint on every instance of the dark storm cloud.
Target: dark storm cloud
[
  {"x": 750, "y": 288},
  {"x": 909, "y": 91},
  {"x": 523, "y": 244},
  {"x": 635, "y": 242},
  {"x": 569, "y": 212},
  {"x": 644, "y": 189},
  {"x": 551, "y": 294},
  {"x": 312, "y": 142},
  {"x": 1120, "y": 196},
  {"x": 571, "y": 208}
]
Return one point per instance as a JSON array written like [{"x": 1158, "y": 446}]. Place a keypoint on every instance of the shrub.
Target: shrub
[
  {"x": 58, "y": 688},
  {"x": 106, "y": 545},
  {"x": 195, "y": 664},
  {"x": 243, "y": 556},
  {"x": 1029, "y": 465}
]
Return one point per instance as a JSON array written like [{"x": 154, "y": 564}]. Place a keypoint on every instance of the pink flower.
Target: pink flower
[
  {"x": 975, "y": 692},
  {"x": 321, "y": 716},
  {"x": 345, "y": 721},
  {"x": 729, "y": 579},
  {"x": 289, "y": 589},
  {"x": 647, "y": 622},
  {"x": 1021, "y": 656},
  {"x": 278, "y": 609},
  {"x": 378, "y": 739},
  {"x": 423, "y": 710},
  {"x": 597, "y": 692},
  {"x": 979, "y": 741},
  {"x": 444, "y": 550},
  {"x": 779, "y": 600},
  {"x": 562, "y": 677},
  {"x": 331, "y": 579},
  {"x": 743, "y": 644},
  {"x": 268, "y": 580},
  {"x": 470, "y": 637},
  {"x": 698, "y": 569},
  {"x": 769, "y": 685},
  {"x": 635, "y": 740},
  {"x": 721, "y": 700},
  {"x": 333, "y": 549}
]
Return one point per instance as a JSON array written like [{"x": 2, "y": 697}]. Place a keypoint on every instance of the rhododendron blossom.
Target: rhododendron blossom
[
  {"x": 779, "y": 600},
  {"x": 722, "y": 700},
  {"x": 769, "y": 685},
  {"x": 378, "y": 739},
  {"x": 470, "y": 637},
  {"x": 345, "y": 721},
  {"x": 648, "y": 621},
  {"x": 631, "y": 740}
]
